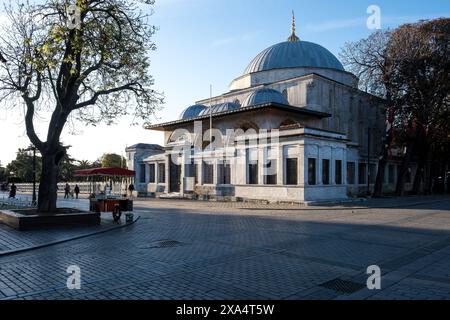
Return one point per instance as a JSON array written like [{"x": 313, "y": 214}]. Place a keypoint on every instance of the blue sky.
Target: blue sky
[{"x": 203, "y": 42}]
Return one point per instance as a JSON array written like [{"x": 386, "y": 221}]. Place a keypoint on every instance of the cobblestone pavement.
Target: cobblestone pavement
[
  {"x": 203, "y": 250},
  {"x": 12, "y": 240}
]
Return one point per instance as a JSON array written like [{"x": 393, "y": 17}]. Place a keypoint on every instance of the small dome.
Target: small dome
[
  {"x": 223, "y": 107},
  {"x": 192, "y": 111},
  {"x": 263, "y": 96},
  {"x": 294, "y": 54}
]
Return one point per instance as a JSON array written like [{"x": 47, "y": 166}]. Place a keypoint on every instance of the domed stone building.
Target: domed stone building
[{"x": 294, "y": 127}]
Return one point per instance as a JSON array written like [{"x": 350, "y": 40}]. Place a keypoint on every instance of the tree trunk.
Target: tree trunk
[
  {"x": 378, "y": 191},
  {"x": 400, "y": 187},
  {"x": 418, "y": 177},
  {"x": 411, "y": 148},
  {"x": 48, "y": 192},
  {"x": 429, "y": 171},
  {"x": 420, "y": 173}
]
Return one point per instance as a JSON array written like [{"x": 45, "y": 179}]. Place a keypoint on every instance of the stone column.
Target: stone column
[
  {"x": 333, "y": 166},
  {"x": 157, "y": 174},
  {"x": 167, "y": 173},
  {"x": 301, "y": 165},
  {"x": 262, "y": 160},
  {"x": 200, "y": 170},
  {"x": 280, "y": 165},
  {"x": 182, "y": 161},
  {"x": 215, "y": 171}
]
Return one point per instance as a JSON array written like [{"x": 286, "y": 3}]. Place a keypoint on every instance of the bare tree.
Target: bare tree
[
  {"x": 90, "y": 64},
  {"x": 368, "y": 60},
  {"x": 421, "y": 53},
  {"x": 408, "y": 67}
]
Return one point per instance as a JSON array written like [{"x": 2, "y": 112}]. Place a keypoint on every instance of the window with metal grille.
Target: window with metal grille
[
  {"x": 252, "y": 165},
  {"x": 270, "y": 172},
  {"x": 312, "y": 171},
  {"x": 338, "y": 172},
  {"x": 325, "y": 171},
  {"x": 161, "y": 172},
  {"x": 351, "y": 167},
  {"x": 208, "y": 173},
  {"x": 151, "y": 173},
  {"x": 291, "y": 171},
  {"x": 224, "y": 173},
  {"x": 362, "y": 173},
  {"x": 253, "y": 172},
  {"x": 142, "y": 173}
]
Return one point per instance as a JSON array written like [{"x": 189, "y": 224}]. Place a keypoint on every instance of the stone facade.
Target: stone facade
[{"x": 328, "y": 141}]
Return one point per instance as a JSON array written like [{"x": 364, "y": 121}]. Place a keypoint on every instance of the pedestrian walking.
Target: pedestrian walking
[
  {"x": 13, "y": 191},
  {"x": 131, "y": 189},
  {"x": 67, "y": 191},
  {"x": 77, "y": 190}
]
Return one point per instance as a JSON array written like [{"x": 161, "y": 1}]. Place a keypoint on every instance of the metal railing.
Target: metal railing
[
  {"x": 16, "y": 203},
  {"x": 85, "y": 187}
]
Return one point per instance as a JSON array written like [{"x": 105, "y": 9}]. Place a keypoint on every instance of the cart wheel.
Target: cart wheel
[{"x": 117, "y": 214}]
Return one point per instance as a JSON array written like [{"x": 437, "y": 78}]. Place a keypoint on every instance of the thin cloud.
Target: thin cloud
[
  {"x": 336, "y": 24},
  {"x": 232, "y": 39},
  {"x": 361, "y": 22}
]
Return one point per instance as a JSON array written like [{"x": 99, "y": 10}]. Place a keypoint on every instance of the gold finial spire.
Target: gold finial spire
[{"x": 293, "y": 37}]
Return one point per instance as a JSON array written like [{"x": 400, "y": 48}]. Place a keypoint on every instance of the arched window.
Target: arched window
[
  {"x": 246, "y": 125},
  {"x": 247, "y": 130},
  {"x": 289, "y": 124},
  {"x": 178, "y": 136},
  {"x": 237, "y": 102}
]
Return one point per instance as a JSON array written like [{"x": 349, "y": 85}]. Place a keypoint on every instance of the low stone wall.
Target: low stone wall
[
  {"x": 85, "y": 187},
  {"x": 270, "y": 193}
]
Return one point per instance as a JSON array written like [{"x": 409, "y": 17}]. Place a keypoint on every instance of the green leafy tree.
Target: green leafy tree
[
  {"x": 66, "y": 169},
  {"x": 94, "y": 70},
  {"x": 21, "y": 168},
  {"x": 3, "y": 175},
  {"x": 112, "y": 160}
]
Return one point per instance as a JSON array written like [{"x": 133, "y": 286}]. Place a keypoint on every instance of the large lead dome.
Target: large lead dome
[{"x": 294, "y": 54}]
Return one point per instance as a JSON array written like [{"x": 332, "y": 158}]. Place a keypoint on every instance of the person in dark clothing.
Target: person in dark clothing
[
  {"x": 76, "y": 190},
  {"x": 131, "y": 189},
  {"x": 13, "y": 191},
  {"x": 66, "y": 191}
]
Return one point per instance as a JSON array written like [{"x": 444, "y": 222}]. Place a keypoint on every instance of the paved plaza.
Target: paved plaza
[{"x": 211, "y": 250}]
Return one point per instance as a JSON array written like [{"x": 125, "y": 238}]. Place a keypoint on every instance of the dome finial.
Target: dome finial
[{"x": 293, "y": 37}]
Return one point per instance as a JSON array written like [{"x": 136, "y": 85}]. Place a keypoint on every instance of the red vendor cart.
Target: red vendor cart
[{"x": 108, "y": 200}]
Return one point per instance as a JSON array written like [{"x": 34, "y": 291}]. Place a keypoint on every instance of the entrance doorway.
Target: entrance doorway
[{"x": 175, "y": 177}]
